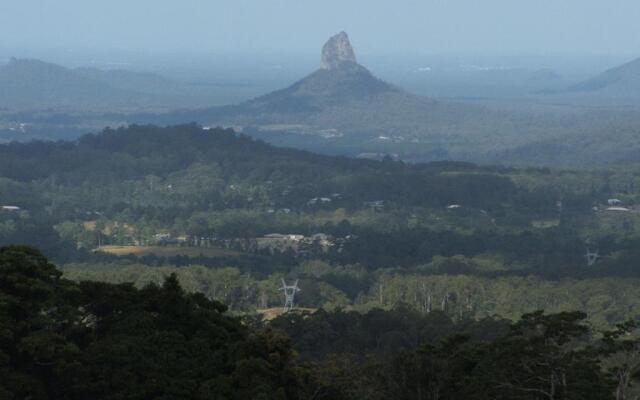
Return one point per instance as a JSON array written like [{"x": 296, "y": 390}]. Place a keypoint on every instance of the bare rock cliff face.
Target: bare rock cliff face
[{"x": 337, "y": 51}]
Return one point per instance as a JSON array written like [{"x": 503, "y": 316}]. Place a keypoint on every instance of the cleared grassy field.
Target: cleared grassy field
[
  {"x": 168, "y": 251},
  {"x": 270, "y": 313}
]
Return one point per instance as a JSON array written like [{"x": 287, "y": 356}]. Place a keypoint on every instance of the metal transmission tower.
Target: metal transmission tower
[
  {"x": 592, "y": 257},
  {"x": 289, "y": 294},
  {"x": 445, "y": 302}
]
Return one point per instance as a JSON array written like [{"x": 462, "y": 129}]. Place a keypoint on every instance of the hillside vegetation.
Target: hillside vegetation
[
  {"x": 63, "y": 339},
  {"x": 359, "y": 234}
]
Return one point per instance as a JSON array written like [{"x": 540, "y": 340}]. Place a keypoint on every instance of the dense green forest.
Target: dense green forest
[
  {"x": 62, "y": 339},
  {"x": 231, "y": 216}
]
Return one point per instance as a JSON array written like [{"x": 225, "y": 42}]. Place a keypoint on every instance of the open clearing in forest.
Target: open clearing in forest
[{"x": 168, "y": 251}]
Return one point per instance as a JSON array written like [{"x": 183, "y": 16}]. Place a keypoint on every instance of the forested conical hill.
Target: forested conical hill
[{"x": 216, "y": 159}]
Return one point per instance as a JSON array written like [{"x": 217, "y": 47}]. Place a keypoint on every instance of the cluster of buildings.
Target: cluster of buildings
[
  {"x": 375, "y": 204},
  {"x": 302, "y": 244},
  {"x": 324, "y": 199},
  {"x": 166, "y": 239},
  {"x": 18, "y": 127},
  {"x": 322, "y": 239},
  {"x": 281, "y": 211}
]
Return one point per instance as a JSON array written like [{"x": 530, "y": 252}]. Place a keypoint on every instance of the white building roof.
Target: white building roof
[{"x": 617, "y": 209}]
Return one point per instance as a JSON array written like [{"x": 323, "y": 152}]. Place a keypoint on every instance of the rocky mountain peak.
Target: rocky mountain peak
[{"x": 337, "y": 51}]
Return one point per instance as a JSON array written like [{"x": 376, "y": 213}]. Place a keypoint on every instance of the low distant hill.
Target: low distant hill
[
  {"x": 624, "y": 79},
  {"x": 33, "y": 83},
  {"x": 29, "y": 84}
]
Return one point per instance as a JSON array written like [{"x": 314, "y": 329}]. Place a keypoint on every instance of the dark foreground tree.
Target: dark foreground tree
[
  {"x": 545, "y": 357},
  {"x": 62, "y": 340},
  {"x": 542, "y": 357},
  {"x": 620, "y": 349}
]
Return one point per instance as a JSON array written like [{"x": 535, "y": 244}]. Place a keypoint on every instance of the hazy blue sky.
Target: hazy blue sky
[{"x": 375, "y": 26}]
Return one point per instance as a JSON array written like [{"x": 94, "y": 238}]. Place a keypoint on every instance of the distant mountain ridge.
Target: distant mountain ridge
[{"x": 342, "y": 108}]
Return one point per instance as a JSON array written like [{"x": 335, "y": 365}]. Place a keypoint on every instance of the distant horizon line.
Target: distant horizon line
[{"x": 69, "y": 50}]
